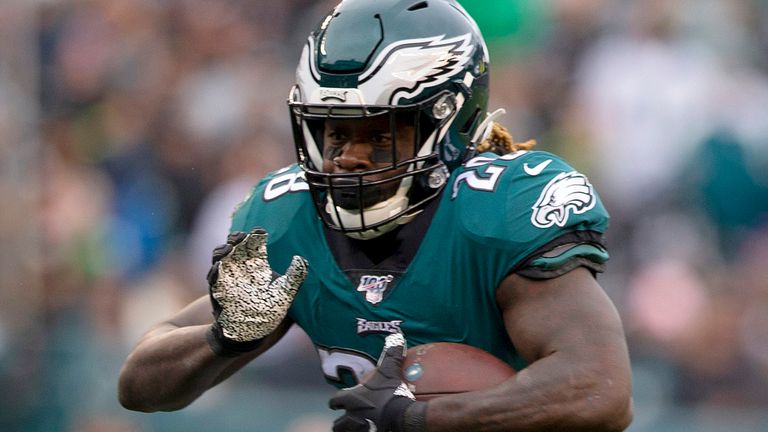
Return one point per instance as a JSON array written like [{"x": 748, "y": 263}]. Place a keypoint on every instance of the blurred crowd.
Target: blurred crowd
[{"x": 130, "y": 129}]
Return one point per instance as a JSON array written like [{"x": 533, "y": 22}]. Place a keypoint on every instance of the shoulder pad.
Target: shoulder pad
[
  {"x": 273, "y": 203},
  {"x": 524, "y": 197}
]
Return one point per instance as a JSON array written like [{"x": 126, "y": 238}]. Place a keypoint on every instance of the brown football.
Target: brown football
[{"x": 443, "y": 368}]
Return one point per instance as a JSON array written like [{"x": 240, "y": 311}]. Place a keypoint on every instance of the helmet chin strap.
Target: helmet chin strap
[{"x": 352, "y": 219}]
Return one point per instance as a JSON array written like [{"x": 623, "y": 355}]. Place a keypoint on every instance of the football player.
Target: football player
[{"x": 410, "y": 217}]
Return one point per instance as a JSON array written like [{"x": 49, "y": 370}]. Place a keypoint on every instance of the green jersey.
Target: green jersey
[{"x": 526, "y": 212}]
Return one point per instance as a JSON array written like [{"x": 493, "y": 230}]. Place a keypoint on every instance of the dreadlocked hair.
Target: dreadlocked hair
[{"x": 500, "y": 141}]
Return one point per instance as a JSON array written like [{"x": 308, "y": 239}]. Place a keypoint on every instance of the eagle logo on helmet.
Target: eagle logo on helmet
[
  {"x": 404, "y": 69},
  {"x": 401, "y": 71},
  {"x": 567, "y": 192}
]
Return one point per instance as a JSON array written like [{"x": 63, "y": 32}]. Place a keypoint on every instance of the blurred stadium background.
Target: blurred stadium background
[{"x": 130, "y": 128}]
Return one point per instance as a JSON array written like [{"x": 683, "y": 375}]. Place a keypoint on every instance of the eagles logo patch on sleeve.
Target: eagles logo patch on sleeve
[{"x": 567, "y": 192}]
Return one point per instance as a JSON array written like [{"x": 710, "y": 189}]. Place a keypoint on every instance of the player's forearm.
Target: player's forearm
[
  {"x": 553, "y": 394},
  {"x": 171, "y": 368}
]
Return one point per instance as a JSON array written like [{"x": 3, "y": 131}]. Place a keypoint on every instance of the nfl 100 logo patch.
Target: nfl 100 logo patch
[{"x": 374, "y": 287}]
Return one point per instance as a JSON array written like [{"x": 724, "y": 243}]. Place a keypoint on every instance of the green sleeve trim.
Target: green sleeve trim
[
  {"x": 565, "y": 258},
  {"x": 562, "y": 254}
]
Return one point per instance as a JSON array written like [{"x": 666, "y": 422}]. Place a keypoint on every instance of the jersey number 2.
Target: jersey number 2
[{"x": 473, "y": 178}]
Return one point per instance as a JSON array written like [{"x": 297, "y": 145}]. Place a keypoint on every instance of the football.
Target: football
[{"x": 442, "y": 368}]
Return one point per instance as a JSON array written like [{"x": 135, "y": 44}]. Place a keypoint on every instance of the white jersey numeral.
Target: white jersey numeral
[
  {"x": 283, "y": 184},
  {"x": 473, "y": 179},
  {"x": 339, "y": 365}
]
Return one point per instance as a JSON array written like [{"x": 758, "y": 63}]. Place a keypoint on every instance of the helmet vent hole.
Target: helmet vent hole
[{"x": 419, "y": 5}]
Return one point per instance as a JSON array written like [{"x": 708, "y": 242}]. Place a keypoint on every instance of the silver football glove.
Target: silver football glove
[{"x": 249, "y": 299}]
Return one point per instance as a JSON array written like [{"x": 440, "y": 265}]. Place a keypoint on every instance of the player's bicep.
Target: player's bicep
[{"x": 569, "y": 314}]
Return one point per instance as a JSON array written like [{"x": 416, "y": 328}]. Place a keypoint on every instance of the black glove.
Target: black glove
[
  {"x": 383, "y": 402},
  {"x": 249, "y": 299}
]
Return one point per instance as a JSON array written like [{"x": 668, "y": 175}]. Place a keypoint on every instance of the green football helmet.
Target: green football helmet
[{"x": 422, "y": 62}]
